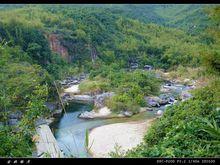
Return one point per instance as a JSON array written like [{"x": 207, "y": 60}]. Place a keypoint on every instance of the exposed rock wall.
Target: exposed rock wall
[{"x": 56, "y": 46}]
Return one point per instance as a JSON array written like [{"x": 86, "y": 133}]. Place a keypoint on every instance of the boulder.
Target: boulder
[
  {"x": 82, "y": 77},
  {"x": 127, "y": 113},
  {"x": 153, "y": 101},
  {"x": 148, "y": 67},
  {"x": 12, "y": 122},
  {"x": 15, "y": 115},
  {"x": 166, "y": 99},
  {"x": 99, "y": 100},
  {"x": 51, "y": 106},
  {"x": 171, "y": 99},
  {"x": 185, "y": 95},
  {"x": 164, "y": 89},
  {"x": 57, "y": 113},
  {"x": 159, "y": 112}
]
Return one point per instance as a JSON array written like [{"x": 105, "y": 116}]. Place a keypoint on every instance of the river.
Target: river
[{"x": 70, "y": 131}]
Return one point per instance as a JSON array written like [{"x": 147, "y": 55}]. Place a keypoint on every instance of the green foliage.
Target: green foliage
[
  {"x": 181, "y": 132},
  {"x": 93, "y": 87},
  {"x": 110, "y": 37},
  {"x": 130, "y": 87},
  {"x": 212, "y": 129},
  {"x": 16, "y": 141},
  {"x": 21, "y": 89},
  {"x": 12, "y": 145}
]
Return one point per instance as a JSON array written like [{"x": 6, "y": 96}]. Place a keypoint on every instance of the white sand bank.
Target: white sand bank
[{"x": 127, "y": 135}]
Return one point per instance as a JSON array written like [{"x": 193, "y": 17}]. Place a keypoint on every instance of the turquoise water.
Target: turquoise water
[{"x": 70, "y": 131}]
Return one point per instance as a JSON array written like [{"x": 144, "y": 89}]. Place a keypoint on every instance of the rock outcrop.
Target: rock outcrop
[
  {"x": 14, "y": 117},
  {"x": 99, "y": 100},
  {"x": 56, "y": 46},
  {"x": 104, "y": 112}
]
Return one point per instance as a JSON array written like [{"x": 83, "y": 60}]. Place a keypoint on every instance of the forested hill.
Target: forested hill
[
  {"x": 103, "y": 33},
  {"x": 189, "y": 17}
]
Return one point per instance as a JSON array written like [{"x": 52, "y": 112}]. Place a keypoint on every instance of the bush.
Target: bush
[{"x": 93, "y": 86}]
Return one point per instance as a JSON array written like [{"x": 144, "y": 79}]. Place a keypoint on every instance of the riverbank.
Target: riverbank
[{"x": 104, "y": 139}]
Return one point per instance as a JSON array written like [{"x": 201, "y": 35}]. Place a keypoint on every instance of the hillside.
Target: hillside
[{"x": 105, "y": 35}]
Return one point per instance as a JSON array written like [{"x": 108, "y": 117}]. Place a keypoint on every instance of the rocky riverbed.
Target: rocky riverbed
[{"x": 171, "y": 93}]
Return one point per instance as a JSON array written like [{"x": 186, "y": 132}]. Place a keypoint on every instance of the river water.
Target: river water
[{"x": 70, "y": 131}]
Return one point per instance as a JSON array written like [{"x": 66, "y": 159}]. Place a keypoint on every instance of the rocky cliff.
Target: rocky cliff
[{"x": 56, "y": 46}]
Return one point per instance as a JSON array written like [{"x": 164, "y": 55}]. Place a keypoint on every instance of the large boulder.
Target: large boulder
[
  {"x": 12, "y": 122},
  {"x": 15, "y": 115},
  {"x": 148, "y": 67},
  {"x": 185, "y": 95},
  {"x": 127, "y": 113},
  {"x": 166, "y": 99},
  {"x": 99, "y": 100},
  {"x": 153, "y": 101},
  {"x": 159, "y": 112},
  {"x": 51, "y": 106}
]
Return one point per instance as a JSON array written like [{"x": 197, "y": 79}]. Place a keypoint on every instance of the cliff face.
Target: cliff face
[{"x": 57, "y": 47}]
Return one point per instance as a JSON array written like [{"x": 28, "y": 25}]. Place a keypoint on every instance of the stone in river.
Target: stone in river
[
  {"x": 153, "y": 101},
  {"x": 159, "y": 112},
  {"x": 100, "y": 99},
  {"x": 128, "y": 114}
]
